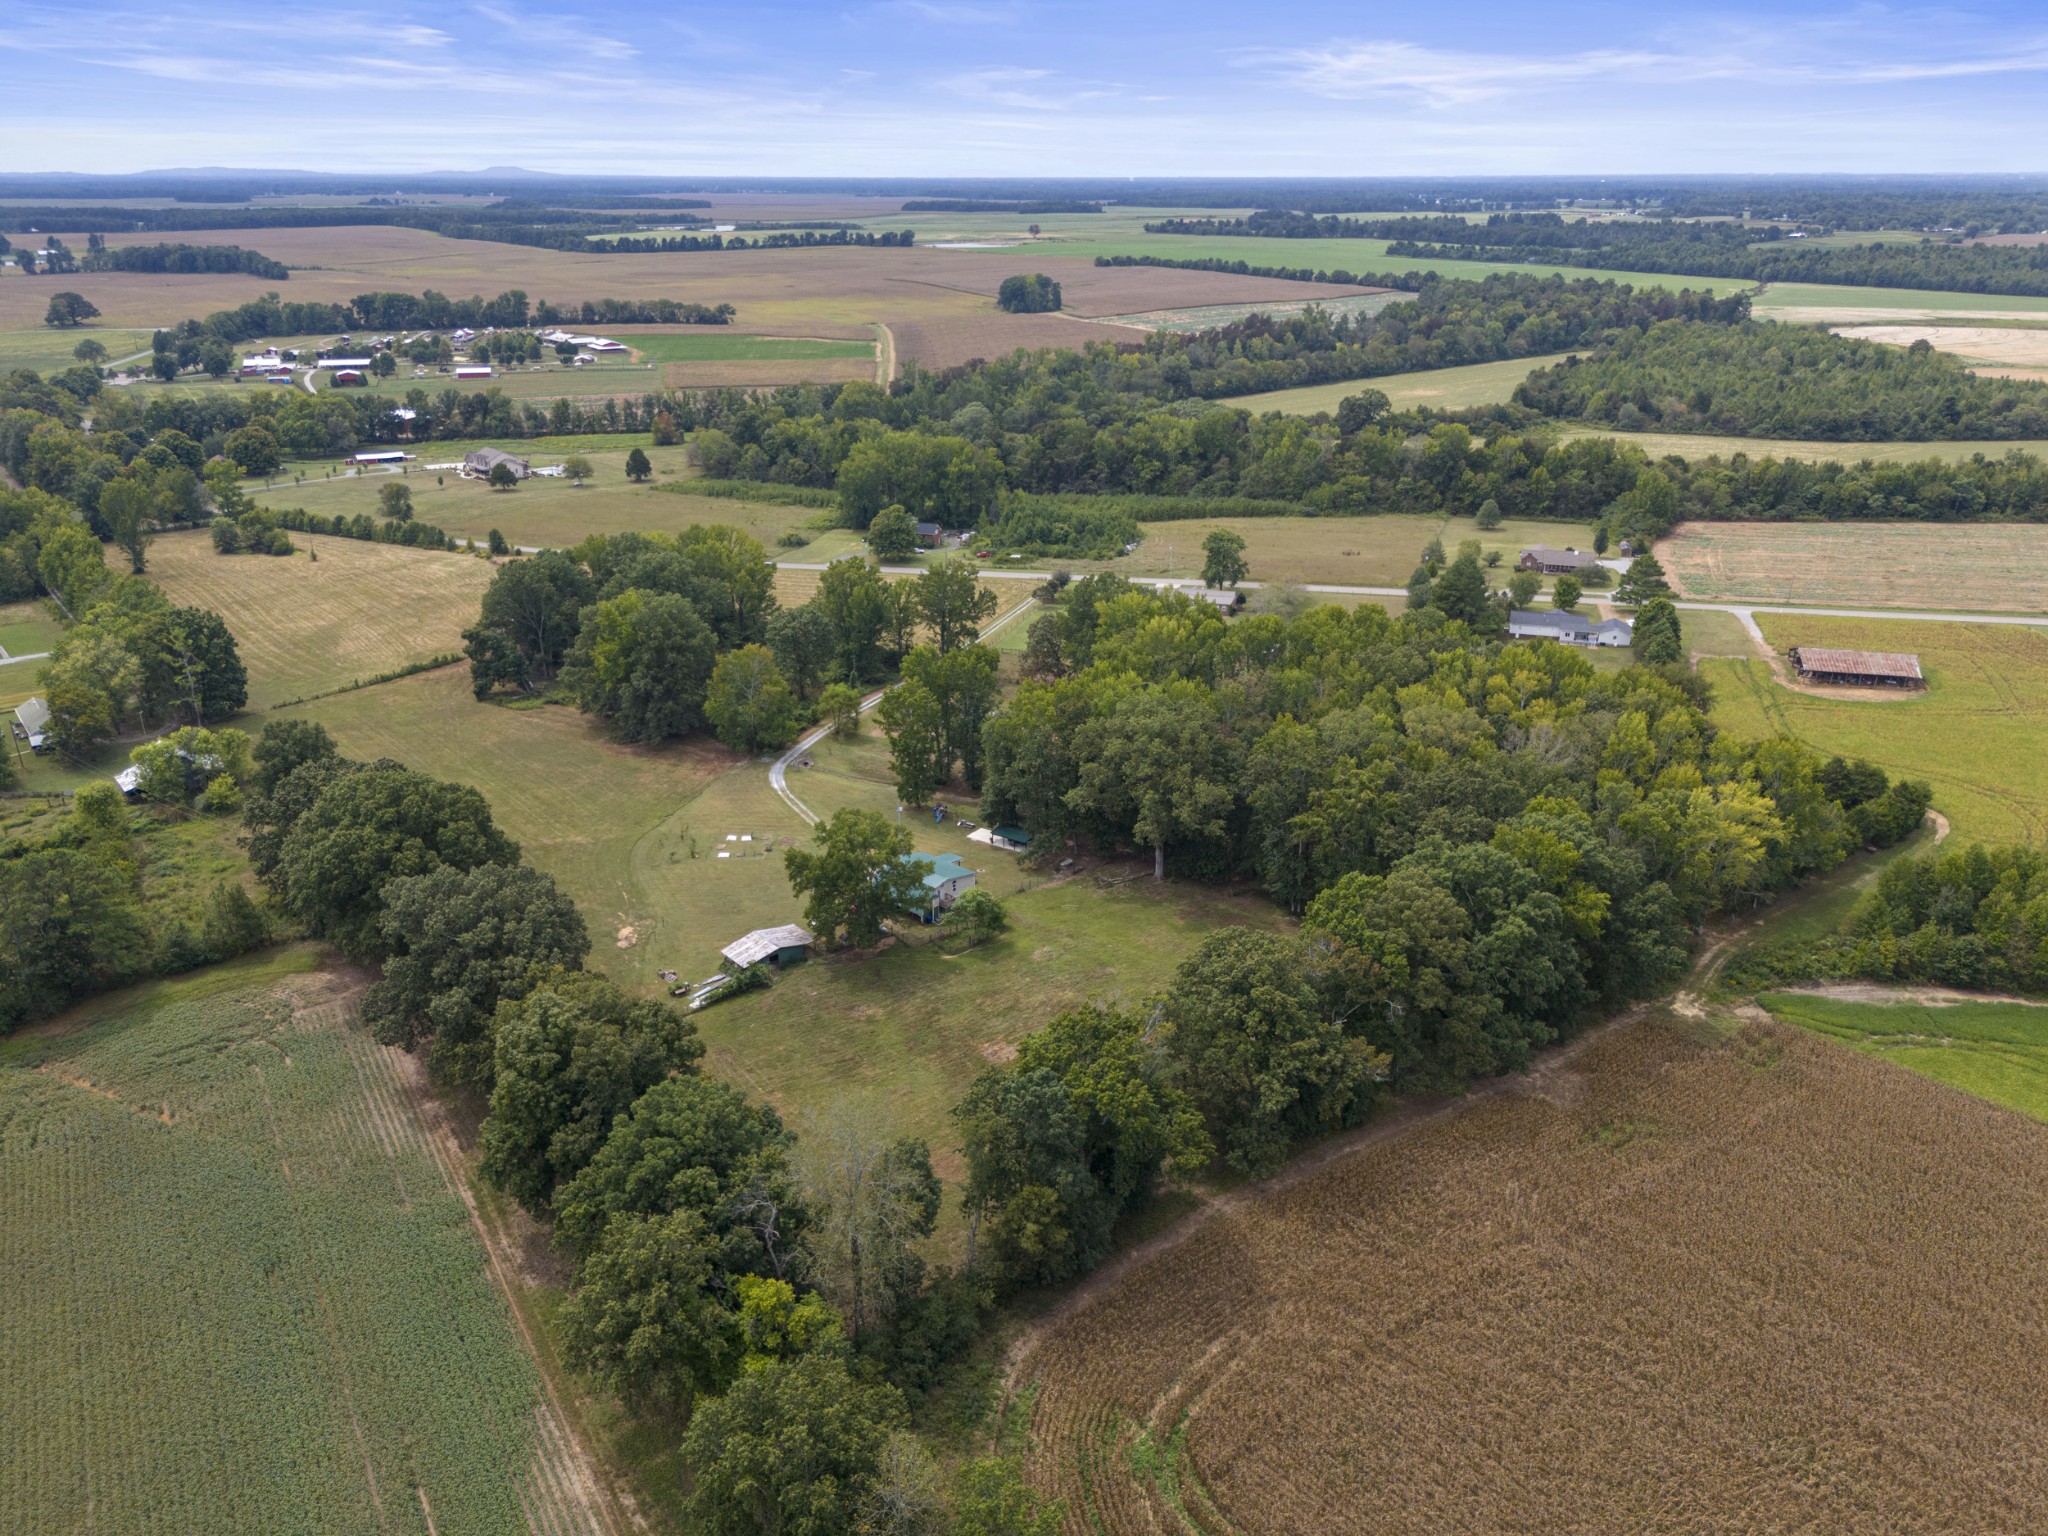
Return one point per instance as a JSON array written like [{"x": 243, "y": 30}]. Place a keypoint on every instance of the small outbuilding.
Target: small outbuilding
[
  {"x": 1858, "y": 669},
  {"x": 781, "y": 946},
  {"x": 1226, "y": 599},
  {"x": 1009, "y": 839},
  {"x": 32, "y": 723},
  {"x": 1557, "y": 562}
]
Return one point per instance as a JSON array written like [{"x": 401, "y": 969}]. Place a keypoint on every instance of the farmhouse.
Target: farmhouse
[
  {"x": 1568, "y": 628},
  {"x": 1861, "y": 669},
  {"x": 942, "y": 887},
  {"x": 784, "y": 946},
  {"x": 479, "y": 463},
  {"x": 1557, "y": 562}
]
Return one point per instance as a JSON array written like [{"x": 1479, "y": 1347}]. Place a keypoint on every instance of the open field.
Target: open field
[
  {"x": 25, "y": 629},
  {"x": 1699, "y": 445},
  {"x": 1997, "y": 1051},
  {"x": 2017, "y": 351},
  {"x": 1842, "y": 304},
  {"x": 530, "y": 381},
  {"x": 246, "y": 1294},
  {"x": 306, "y": 625},
  {"x": 542, "y": 511},
  {"x": 47, "y": 350},
  {"x": 1379, "y": 551},
  {"x": 1675, "y": 1284},
  {"x": 1988, "y": 567},
  {"x": 710, "y": 345},
  {"x": 1978, "y": 734},
  {"x": 910, "y": 1028},
  {"x": 1447, "y": 389}
]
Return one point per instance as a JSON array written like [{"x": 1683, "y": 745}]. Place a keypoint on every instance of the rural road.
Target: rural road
[{"x": 779, "y": 769}]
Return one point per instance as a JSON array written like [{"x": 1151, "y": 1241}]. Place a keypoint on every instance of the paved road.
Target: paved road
[{"x": 778, "y": 769}]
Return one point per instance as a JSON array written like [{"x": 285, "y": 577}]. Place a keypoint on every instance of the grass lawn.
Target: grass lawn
[
  {"x": 544, "y": 511},
  {"x": 1699, "y": 445},
  {"x": 1997, "y": 1051},
  {"x": 1449, "y": 389},
  {"x": 577, "y": 803},
  {"x": 910, "y": 1027},
  {"x": 1710, "y": 633},
  {"x": 1978, "y": 734},
  {"x": 306, "y": 625},
  {"x": 49, "y": 351},
  {"x": 1989, "y": 567},
  {"x": 244, "y": 1282},
  {"x": 26, "y": 629},
  {"x": 698, "y": 348},
  {"x": 1379, "y": 551}
]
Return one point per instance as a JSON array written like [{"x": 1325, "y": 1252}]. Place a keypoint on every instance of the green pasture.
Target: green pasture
[
  {"x": 701, "y": 348},
  {"x": 543, "y": 511},
  {"x": 1803, "y": 296},
  {"x": 245, "y": 1295},
  {"x": 49, "y": 349},
  {"x": 1978, "y": 733},
  {"x": 26, "y": 628},
  {"x": 1446, "y": 389},
  {"x": 1995, "y": 1050}
]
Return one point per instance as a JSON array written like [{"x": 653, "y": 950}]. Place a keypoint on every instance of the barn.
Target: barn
[
  {"x": 346, "y": 378},
  {"x": 1858, "y": 669}
]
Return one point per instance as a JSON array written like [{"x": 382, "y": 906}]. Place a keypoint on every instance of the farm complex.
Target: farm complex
[{"x": 701, "y": 855}]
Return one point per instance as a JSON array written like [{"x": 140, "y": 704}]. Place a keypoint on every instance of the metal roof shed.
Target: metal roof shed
[{"x": 785, "y": 946}]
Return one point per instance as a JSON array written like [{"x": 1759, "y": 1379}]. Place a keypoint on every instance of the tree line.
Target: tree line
[
  {"x": 435, "y": 311},
  {"x": 100, "y": 257},
  {"x": 1764, "y": 380},
  {"x": 784, "y": 238},
  {"x": 766, "y": 1284}
]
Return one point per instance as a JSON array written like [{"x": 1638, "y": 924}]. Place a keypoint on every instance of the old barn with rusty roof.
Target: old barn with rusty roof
[{"x": 1861, "y": 669}]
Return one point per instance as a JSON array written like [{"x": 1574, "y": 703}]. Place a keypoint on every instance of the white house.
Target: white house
[{"x": 1568, "y": 628}]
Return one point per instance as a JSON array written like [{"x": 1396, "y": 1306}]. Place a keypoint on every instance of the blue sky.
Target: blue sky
[{"x": 1026, "y": 87}]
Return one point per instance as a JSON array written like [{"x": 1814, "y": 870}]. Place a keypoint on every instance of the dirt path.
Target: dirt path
[{"x": 885, "y": 355}]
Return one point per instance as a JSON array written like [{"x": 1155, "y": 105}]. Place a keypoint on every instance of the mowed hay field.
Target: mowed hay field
[
  {"x": 305, "y": 626},
  {"x": 245, "y": 1293},
  {"x": 1447, "y": 389},
  {"x": 1978, "y": 734},
  {"x": 1380, "y": 551},
  {"x": 2011, "y": 351},
  {"x": 1841, "y": 304},
  {"x": 1678, "y": 1284},
  {"x": 1700, "y": 445},
  {"x": 1987, "y": 567}
]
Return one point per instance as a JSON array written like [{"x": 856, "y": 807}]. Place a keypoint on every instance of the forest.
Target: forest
[
  {"x": 101, "y": 257},
  {"x": 1765, "y": 380}
]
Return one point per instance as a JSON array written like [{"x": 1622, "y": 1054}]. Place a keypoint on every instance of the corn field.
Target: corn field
[
  {"x": 1752, "y": 1283},
  {"x": 243, "y": 1293}
]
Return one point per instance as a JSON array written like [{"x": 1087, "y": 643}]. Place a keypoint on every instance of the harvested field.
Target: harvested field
[
  {"x": 1990, "y": 349},
  {"x": 1448, "y": 389},
  {"x": 1978, "y": 734},
  {"x": 1841, "y": 304},
  {"x": 1693, "y": 445},
  {"x": 245, "y": 1291},
  {"x": 1988, "y": 567},
  {"x": 764, "y": 373},
  {"x": 1673, "y": 1285},
  {"x": 305, "y": 626}
]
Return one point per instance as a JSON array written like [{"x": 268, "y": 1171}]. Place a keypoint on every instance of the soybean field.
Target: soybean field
[{"x": 245, "y": 1293}]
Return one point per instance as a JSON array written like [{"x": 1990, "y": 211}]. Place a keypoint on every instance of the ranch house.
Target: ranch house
[
  {"x": 1568, "y": 628},
  {"x": 1557, "y": 562}
]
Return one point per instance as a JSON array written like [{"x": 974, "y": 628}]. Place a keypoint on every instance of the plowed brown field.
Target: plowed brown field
[{"x": 1685, "y": 1282}]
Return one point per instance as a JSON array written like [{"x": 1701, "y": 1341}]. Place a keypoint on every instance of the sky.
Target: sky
[{"x": 1026, "y": 87}]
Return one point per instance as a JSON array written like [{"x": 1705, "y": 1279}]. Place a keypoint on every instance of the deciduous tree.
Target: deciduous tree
[{"x": 858, "y": 874}]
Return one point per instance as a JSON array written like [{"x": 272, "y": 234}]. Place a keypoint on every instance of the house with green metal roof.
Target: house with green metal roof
[{"x": 942, "y": 887}]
